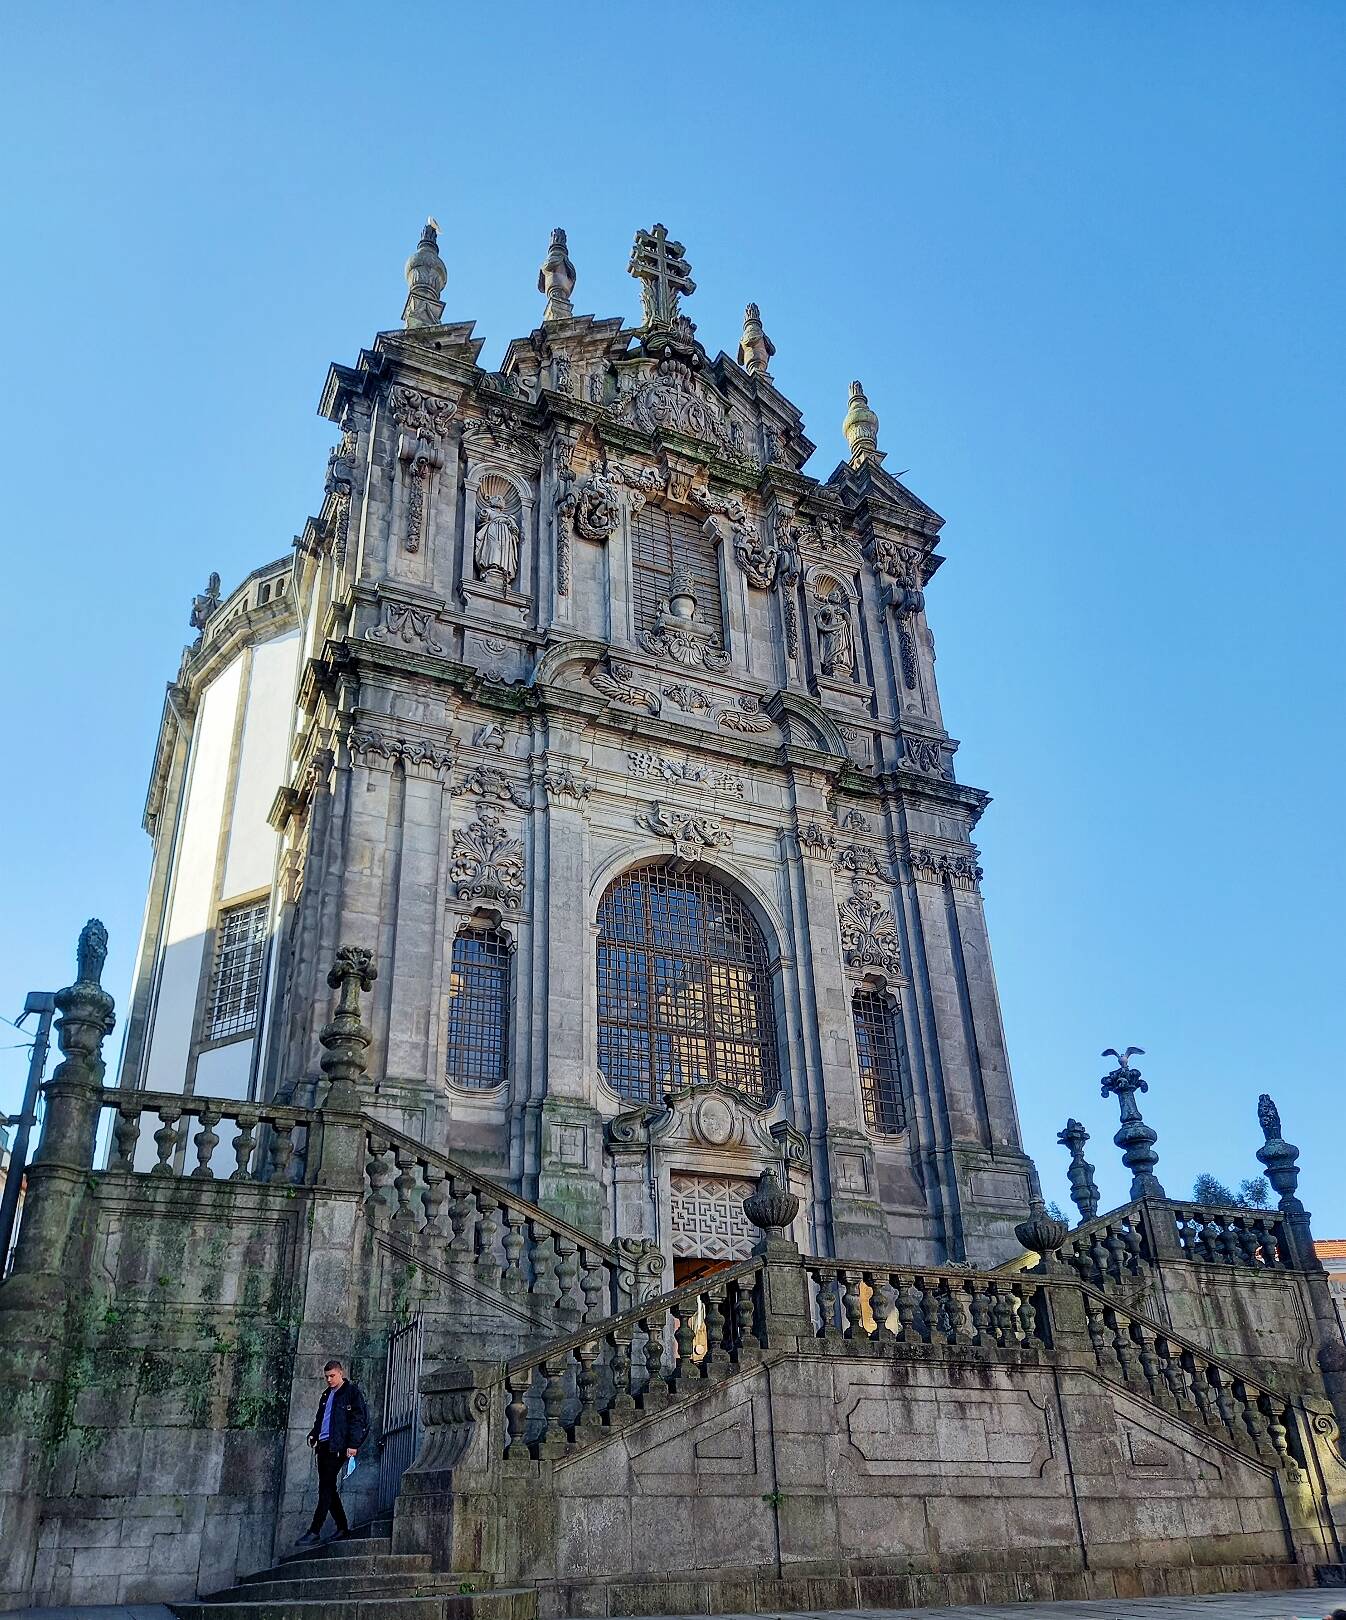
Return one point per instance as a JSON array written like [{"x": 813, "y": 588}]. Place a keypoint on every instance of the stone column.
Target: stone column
[
  {"x": 58, "y": 1176},
  {"x": 419, "y": 943}
]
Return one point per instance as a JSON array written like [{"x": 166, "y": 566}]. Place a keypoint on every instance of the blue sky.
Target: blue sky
[{"x": 1086, "y": 259}]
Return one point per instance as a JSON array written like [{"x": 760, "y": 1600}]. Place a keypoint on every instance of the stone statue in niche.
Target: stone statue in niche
[
  {"x": 836, "y": 642},
  {"x": 496, "y": 547}
]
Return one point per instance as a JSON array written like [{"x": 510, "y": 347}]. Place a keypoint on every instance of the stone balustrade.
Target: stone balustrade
[
  {"x": 1233, "y": 1237},
  {"x": 467, "y": 1224},
  {"x": 1113, "y": 1248},
  {"x": 983, "y": 1311},
  {"x": 205, "y": 1138},
  {"x": 1185, "y": 1382},
  {"x": 585, "y": 1385}
]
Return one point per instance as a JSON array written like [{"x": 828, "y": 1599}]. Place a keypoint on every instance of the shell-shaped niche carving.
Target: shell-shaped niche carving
[{"x": 498, "y": 530}]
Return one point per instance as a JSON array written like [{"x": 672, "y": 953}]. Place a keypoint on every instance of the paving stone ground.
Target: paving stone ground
[{"x": 1304, "y": 1605}]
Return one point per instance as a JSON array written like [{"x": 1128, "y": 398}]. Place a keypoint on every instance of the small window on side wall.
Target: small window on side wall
[
  {"x": 236, "y": 979},
  {"x": 478, "y": 1029},
  {"x": 876, "y": 1046}
]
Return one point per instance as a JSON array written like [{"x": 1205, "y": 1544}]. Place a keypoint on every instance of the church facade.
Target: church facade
[{"x": 616, "y": 736}]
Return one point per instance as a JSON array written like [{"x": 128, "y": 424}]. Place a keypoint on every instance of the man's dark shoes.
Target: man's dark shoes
[{"x": 310, "y": 1538}]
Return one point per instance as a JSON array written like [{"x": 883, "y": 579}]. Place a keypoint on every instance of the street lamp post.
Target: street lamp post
[{"x": 43, "y": 1003}]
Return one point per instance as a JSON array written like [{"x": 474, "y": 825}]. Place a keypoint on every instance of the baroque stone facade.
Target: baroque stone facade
[{"x": 583, "y": 615}]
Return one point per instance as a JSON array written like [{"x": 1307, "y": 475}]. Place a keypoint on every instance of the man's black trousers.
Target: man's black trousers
[{"x": 330, "y": 1464}]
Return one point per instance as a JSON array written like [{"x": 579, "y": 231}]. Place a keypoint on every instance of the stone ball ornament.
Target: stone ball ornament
[{"x": 771, "y": 1208}]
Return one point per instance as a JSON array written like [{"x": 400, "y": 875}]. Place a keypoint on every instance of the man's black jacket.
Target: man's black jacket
[{"x": 349, "y": 1428}]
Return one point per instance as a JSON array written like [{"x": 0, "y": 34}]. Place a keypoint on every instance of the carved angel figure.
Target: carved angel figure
[
  {"x": 596, "y": 513},
  {"x": 836, "y": 643},
  {"x": 496, "y": 548}
]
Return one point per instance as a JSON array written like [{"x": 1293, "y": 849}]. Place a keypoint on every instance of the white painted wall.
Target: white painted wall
[
  {"x": 268, "y": 725},
  {"x": 193, "y": 881}
]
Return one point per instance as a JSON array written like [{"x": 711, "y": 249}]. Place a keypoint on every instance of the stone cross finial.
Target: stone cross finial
[
  {"x": 1134, "y": 1136},
  {"x": 1279, "y": 1157},
  {"x": 205, "y": 605},
  {"x": 1083, "y": 1187},
  {"x": 861, "y": 427},
  {"x": 755, "y": 348},
  {"x": 345, "y": 1038},
  {"x": 662, "y": 270},
  {"x": 426, "y": 279},
  {"x": 556, "y": 278}
]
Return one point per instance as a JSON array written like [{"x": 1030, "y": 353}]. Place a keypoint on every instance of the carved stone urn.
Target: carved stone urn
[
  {"x": 770, "y": 1207},
  {"x": 682, "y": 598}
]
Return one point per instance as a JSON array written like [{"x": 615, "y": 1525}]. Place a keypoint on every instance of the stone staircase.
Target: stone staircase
[{"x": 361, "y": 1579}]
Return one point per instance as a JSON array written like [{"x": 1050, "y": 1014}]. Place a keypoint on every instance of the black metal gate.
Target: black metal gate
[{"x": 401, "y": 1409}]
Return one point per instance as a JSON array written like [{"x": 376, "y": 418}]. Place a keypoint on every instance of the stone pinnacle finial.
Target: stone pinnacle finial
[
  {"x": 86, "y": 1010},
  {"x": 861, "y": 427},
  {"x": 1083, "y": 1187},
  {"x": 556, "y": 278},
  {"x": 755, "y": 348},
  {"x": 205, "y": 604},
  {"x": 1134, "y": 1136},
  {"x": 1279, "y": 1157},
  {"x": 345, "y": 1038},
  {"x": 426, "y": 279}
]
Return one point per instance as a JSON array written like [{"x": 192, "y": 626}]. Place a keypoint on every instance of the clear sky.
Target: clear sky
[{"x": 1087, "y": 260}]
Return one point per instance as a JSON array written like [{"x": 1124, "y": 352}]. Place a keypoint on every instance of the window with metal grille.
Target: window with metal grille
[
  {"x": 684, "y": 988},
  {"x": 236, "y": 982},
  {"x": 880, "y": 1063},
  {"x": 659, "y": 539},
  {"x": 478, "y": 1033}
]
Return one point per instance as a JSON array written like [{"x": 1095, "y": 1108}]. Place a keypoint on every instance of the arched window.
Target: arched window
[
  {"x": 880, "y": 1064},
  {"x": 684, "y": 988},
  {"x": 478, "y": 1032}
]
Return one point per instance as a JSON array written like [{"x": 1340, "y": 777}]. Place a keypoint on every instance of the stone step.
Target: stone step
[
  {"x": 357, "y": 1546},
  {"x": 505, "y": 1603},
  {"x": 296, "y": 1568},
  {"x": 336, "y": 1584}
]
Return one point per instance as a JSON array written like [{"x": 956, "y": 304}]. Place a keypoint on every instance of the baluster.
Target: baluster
[
  {"x": 1098, "y": 1256},
  {"x": 717, "y": 1357},
  {"x": 205, "y": 1142},
  {"x": 1210, "y": 1240},
  {"x": 166, "y": 1139},
  {"x": 1123, "y": 1346},
  {"x": 1174, "y": 1374},
  {"x": 126, "y": 1133},
  {"x": 1276, "y": 1413},
  {"x": 831, "y": 1304},
  {"x": 1028, "y": 1314},
  {"x": 434, "y": 1232},
  {"x": 1273, "y": 1244},
  {"x": 1251, "y": 1413},
  {"x": 463, "y": 1214},
  {"x": 555, "y": 1440},
  {"x": 1002, "y": 1315},
  {"x": 280, "y": 1151},
  {"x": 568, "y": 1310},
  {"x": 512, "y": 1279},
  {"x": 595, "y": 1285},
  {"x": 1223, "y": 1402},
  {"x": 586, "y": 1384},
  {"x": 850, "y": 1301},
  {"x": 1149, "y": 1366},
  {"x": 1094, "y": 1318},
  {"x": 379, "y": 1174},
  {"x": 908, "y": 1303},
  {"x": 955, "y": 1310},
  {"x": 685, "y": 1337},
  {"x": 1131, "y": 1244},
  {"x": 542, "y": 1256},
  {"x": 1116, "y": 1253},
  {"x": 981, "y": 1314},
  {"x": 655, "y": 1391},
  {"x": 925, "y": 1310},
  {"x": 244, "y": 1143},
  {"x": 746, "y": 1342},
  {"x": 516, "y": 1412},
  {"x": 1229, "y": 1249},
  {"x": 1250, "y": 1234},
  {"x": 488, "y": 1228},
  {"x": 404, "y": 1220},
  {"x": 1199, "y": 1383},
  {"x": 883, "y": 1304},
  {"x": 623, "y": 1402}
]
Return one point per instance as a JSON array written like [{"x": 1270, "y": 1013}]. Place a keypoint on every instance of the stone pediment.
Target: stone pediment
[{"x": 710, "y": 1118}]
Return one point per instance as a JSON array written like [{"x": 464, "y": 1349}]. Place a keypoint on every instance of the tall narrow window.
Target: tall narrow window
[
  {"x": 478, "y": 1033},
  {"x": 684, "y": 988},
  {"x": 236, "y": 980},
  {"x": 880, "y": 1065},
  {"x": 659, "y": 539}
]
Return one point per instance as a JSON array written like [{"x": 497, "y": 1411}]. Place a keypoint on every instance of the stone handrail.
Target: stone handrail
[
  {"x": 590, "y": 1382},
  {"x": 1124, "y": 1244},
  {"x": 1235, "y": 1237},
  {"x": 253, "y": 1159},
  {"x": 462, "y": 1220},
  {"x": 1111, "y": 1248}
]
